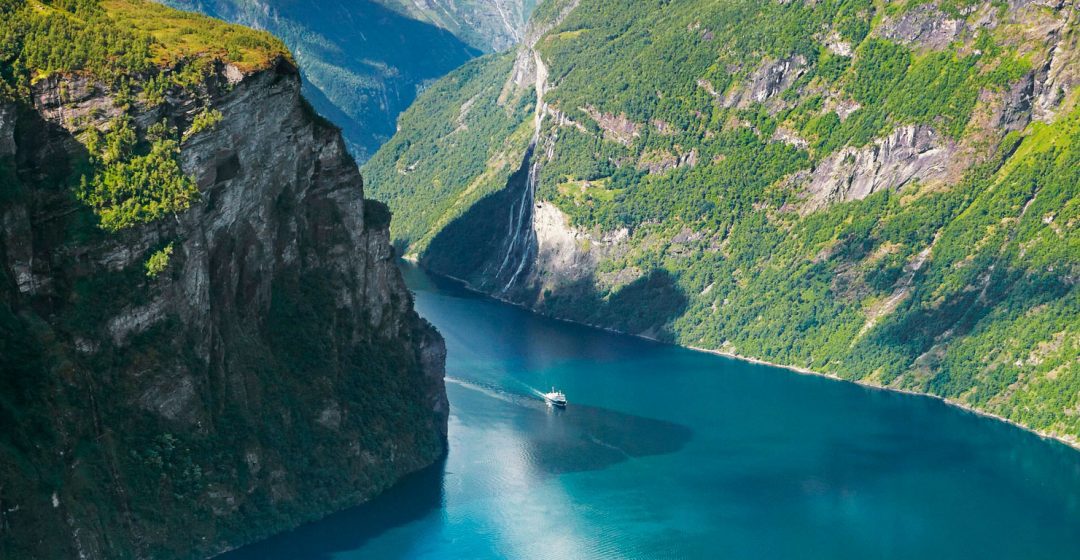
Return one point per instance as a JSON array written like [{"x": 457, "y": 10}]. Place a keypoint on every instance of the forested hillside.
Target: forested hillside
[
  {"x": 363, "y": 62},
  {"x": 882, "y": 191}
]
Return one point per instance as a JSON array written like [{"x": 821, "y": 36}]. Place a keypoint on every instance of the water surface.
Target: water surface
[{"x": 668, "y": 453}]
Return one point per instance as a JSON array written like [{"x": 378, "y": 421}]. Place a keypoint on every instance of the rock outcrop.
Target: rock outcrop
[
  {"x": 273, "y": 373},
  {"x": 910, "y": 153},
  {"x": 925, "y": 26},
  {"x": 769, "y": 80}
]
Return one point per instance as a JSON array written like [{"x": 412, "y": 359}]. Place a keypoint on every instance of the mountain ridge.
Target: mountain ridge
[{"x": 487, "y": 25}]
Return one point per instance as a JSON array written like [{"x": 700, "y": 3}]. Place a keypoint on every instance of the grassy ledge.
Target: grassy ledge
[{"x": 178, "y": 35}]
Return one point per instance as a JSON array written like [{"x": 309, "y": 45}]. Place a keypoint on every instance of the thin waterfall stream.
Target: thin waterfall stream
[{"x": 519, "y": 229}]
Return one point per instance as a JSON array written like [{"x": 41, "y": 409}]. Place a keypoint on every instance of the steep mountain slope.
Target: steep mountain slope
[
  {"x": 881, "y": 191},
  {"x": 488, "y": 25},
  {"x": 204, "y": 338},
  {"x": 362, "y": 62}
]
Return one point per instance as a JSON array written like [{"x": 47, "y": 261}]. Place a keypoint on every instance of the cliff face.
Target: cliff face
[{"x": 273, "y": 372}]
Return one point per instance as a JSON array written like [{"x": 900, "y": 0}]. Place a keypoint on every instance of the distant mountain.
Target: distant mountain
[
  {"x": 489, "y": 25},
  {"x": 882, "y": 191},
  {"x": 363, "y": 63}
]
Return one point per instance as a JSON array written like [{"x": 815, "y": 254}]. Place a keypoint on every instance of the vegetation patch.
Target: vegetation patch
[
  {"x": 205, "y": 120},
  {"x": 180, "y": 35},
  {"x": 159, "y": 261},
  {"x": 133, "y": 186}
]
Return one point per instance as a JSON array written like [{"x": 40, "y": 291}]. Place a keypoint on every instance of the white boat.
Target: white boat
[{"x": 556, "y": 398}]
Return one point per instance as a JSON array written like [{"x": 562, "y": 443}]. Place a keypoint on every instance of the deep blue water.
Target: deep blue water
[{"x": 668, "y": 453}]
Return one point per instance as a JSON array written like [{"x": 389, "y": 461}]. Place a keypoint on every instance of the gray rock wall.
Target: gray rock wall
[{"x": 274, "y": 373}]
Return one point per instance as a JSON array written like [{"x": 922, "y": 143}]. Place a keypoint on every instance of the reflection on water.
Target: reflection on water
[
  {"x": 512, "y": 442},
  {"x": 666, "y": 453},
  {"x": 416, "y": 496},
  {"x": 581, "y": 437}
]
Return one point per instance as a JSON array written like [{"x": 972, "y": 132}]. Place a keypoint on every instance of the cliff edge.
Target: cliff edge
[{"x": 204, "y": 338}]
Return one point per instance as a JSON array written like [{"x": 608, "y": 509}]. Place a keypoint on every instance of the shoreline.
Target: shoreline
[{"x": 1073, "y": 443}]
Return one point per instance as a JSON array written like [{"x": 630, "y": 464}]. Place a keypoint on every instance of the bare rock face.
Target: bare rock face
[
  {"x": 769, "y": 80},
  {"x": 925, "y": 26},
  {"x": 559, "y": 246},
  {"x": 566, "y": 259},
  {"x": 192, "y": 407},
  {"x": 1060, "y": 75},
  {"x": 909, "y": 153},
  {"x": 1016, "y": 106},
  {"x": 657, "y": 162},
  {"x": 617, "y": 128}
]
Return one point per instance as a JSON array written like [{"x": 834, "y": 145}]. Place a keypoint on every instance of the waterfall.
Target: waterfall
[
  {"x": 530, "y": 193},
  {"x": 517, "y": 226},
  {"x": 519, "y": 229}
]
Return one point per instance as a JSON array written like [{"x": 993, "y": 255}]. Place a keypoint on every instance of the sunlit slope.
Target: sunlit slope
[{"x": 884, "y": 191}]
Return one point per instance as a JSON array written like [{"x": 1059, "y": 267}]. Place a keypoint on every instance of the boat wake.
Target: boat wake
[{"x": 501, "y": 393}]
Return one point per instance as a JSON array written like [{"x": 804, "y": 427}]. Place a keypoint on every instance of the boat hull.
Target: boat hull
[{"x": 556, "y": 398}]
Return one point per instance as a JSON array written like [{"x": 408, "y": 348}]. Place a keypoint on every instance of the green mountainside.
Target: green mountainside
[
  {"x": 204, "y": 336},
  {"x": 363, "y": 62},
  {"x": 882, "y": 191}
]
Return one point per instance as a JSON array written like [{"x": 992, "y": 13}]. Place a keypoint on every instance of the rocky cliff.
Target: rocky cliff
[
  {"x": 187, "y": 384},
  {"x": 884, "y": 193}
]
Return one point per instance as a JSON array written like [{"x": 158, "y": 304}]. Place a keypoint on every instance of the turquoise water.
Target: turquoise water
[{"x": 668, "y": 453}]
